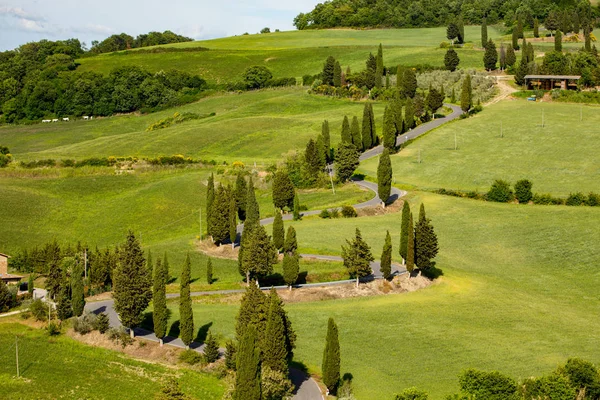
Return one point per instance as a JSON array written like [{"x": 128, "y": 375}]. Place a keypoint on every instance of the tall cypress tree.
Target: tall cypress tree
[
  {"x": 490, "y": 57},
  {"x": 366, "y": 128},
  {"x": 132, "y": 284},
  {"x": 511, "y": 58},
  {"x": 159, "y": 300},
  {"x": 210, "y": 198},
  {"x": 275, "y": 350},
  {"x": 252, "y": 210},
  {"x": 291, "y": 268},
  {"x": 232, "y": 221},
  {"x": 331, "y": 358},
  {"x": 484, "y": 33},
  {"x": 409, "y": 83},
  {"x": 259, "y": 254},
  {"x": 558, "y": 41},
  {"x": 379, "y": 68},
  {"x": 283, "y": 190},
  {"x": 357, "y": 257},
  {"x": 297, "y": 215},
  {"x": 209, "y": 271},
  {"x": 515, "y": 39},
  {"x": 77, "y": 296},
  {"x": 278, "y": 231},
  {"x": 328, "y": 71},
  {"x": 322, "y": 157},
  {"x": 466, "y": 101},
  {"x": 410, "y": 246},
  {"x": 247, "y": 379},
  {"x": 312, "y": 158},
  {"x": 186, "y": 316},
  {"x": 337, "y": 74},
  {"x": 355, "y": 133},
  {"x": 426, "y": 243},
  {"x": 290, "y": 335},
  {"x": 326, "y": 139},
  {"x": 384, "y": 176},
  {"x": 404, "y": 230},
  {"x": 374, "y": 137},
  {"x": 252, "y": 312},
  {"x": 389, "y": 129},
  {"x": 346, "y": 136},
  {"x": 290, "y": 245},
  {"x": 536, "y": 28},
  {"x": 386, "y": 257},
  {"x": 220, "y": 215},
  {"x": 241, "y": 193}
]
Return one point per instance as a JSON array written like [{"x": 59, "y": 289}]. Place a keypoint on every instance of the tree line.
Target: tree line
[{"x": 124, "y": 41}]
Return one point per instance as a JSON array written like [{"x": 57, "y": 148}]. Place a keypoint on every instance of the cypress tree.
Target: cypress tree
[
  {"x": 515, "y": 39},
  {"x": 386, "y": 257},
  {"x": 326, "y": 139},
  {"x": 521, "y": 72},
  {"x": 576, "y": 23},
  {"x": 186, "y": 316},
  {"x": 371, "y": 71},
  {"x": 290, "y": 245},
  {"x": 278, "y": 231},
  {"x": 337, "y": 74},
  {"x": 252, "y": 210},
  {"x": 366, "y": 128},
  {"x": 220, "y": 215},
  {"x": 384, "y": 176},
  {"x": 259, "y": 254},
  {"x": 247, "y": 379},
  {"x": 252, "y": 313},
  {"x": 520, "y": 27},
  {"x": 588, "y": 40},
  {"x": 64, "y": 309},
  {"x": 209, "y": 272},
  {"x": 321, "y": 156},
  {"x": 530, "y": 52},
  {"x": 409, "y": 83},
  {"x": 426, "y": 242},
  {"x": 210, "y": 198},
  {"x": 409, "y": 114},
  {"x": 275, "y": 350},
  {"x": 331, "y": 358},
  {"x": 524, "y": 50},
  {"x": 502, "y": 57},
  {"x": 558, "y": 41},
  {"x": 466, "y": 101},
  {"x": 389, "y": 129},
  {"x": 328, "y": 71},
  {"x": 374, "y": 137},
  {"x": 355, "y": 133},
  {"x": 434, "y": 100},
  {"x": 490, "y": 57},
  {"x": 291, "y": 268},
  {"x": 54, "y": 279},
  {"x": 452, "y": 32},
  {"x": 297, "y": 215},
  {"x": 159, "y": 300},
  {"x": 453, "y": 96},
  {"x": 132, "y": 283},
  {"x": 211, "y": 349},
  {"x": 346, "y": 161},
  {"x": 240, "y": 194},
  {"x": 536, "y": 28},
  {"x": 232, "y": 221},
  {"x": 511, "y": 58},
  {"x": 30, "y": 284},
  {"x": 149, "y": 264},
  {"x": 77, "y": 296},
  {"x": 379, "y": 68},
  {"x": 461, "y": 28},
  {"x": 312, "y": 158},
  {"x": 410, "y": 246},
  {"x": 404, "y": 228},
  {"x": 346, "y": 135},
  {"x": 283, "y": 190},
  {"x": 290, "y": 335},
  {"x": 484, "y": 33},
  {"x": 451, "y": 60},
  {"x": 357, "y": 257}
]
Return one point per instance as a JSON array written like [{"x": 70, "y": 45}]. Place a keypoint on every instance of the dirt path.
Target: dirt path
[{"x": 505, "y": 90}]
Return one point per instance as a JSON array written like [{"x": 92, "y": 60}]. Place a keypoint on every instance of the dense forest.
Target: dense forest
[
  {"x": 429, "y": 13},
  {"x": 124, "y": 41}
]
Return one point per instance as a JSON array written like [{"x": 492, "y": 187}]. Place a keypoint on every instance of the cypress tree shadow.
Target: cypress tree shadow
[
  {"x": 302, "y": 278},
  {"x": 174, "y": 329},
  {"x": 298, "y": 374},
  {"x": 148, "y": 321},
  {"x": 433, "y": 272},
  {"x": 203, "y": 333}
]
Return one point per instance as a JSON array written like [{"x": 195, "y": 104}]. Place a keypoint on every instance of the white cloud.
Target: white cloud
[
  {"x": 18, "y": 12},
  {"x": 94, "y": 28}
]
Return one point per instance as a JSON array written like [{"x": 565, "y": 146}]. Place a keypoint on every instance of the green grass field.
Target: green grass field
[
  {"x": 559, "y": 158},
  {"x": 61, "y": 367},
  {"x": 519, "y": 295},
  {"x": 297, "y": 53}
]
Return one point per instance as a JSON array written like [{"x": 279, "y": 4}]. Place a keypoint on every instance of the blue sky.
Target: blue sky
[{"x": 24, "y": 21}]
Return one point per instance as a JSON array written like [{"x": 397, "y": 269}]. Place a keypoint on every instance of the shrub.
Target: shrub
[
  {"x": 487, "y": 385},
  {"x": 190, "y": 357},
  {"x": 335, "y": 213},
  {"x": 257, "y": 76},
  {"x": 523, "y": 191},
  {"x": 349, "y": 212},
  {"x": 593, "y": 200},
  {"x": 85, "y": 324},
  {"x": 102, "y": 323},
  {"x": 546, "y": 199},
  {"x": 119, "y": 336},
  {"x": 230, "y": 355},
  {"x": 53, "y": 328},
  {"x": 39, "y": 310},
  {"x": 583, "y": 375},
  {"x": 576, "y": 199},
  {"x": 325, "y": 214},
  {"x": 412, "y": 394},
  {"x": 500, "y": 192},
  {"x": 211, "y": 349}
]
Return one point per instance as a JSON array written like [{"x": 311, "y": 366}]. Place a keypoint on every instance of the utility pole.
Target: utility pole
[{"x": 17, "y": 355}]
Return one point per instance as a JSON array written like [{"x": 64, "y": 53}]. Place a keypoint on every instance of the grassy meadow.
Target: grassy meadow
[
  {"x": 61, "y": 367},
  {"x": 559, "y": 159},
  {"x": 297, "y": 53}
]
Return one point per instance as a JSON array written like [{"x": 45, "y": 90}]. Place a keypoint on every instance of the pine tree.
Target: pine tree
[
  {"x": 404, "y": 230},
  {"x": 159, "y": 300},
  {"x": 451, "y": 60},
  {"x": 132, "y": 283},
  {"x": 379, "y": 68},
  {"x": 290, "y": 245},
  {"x": 210, "y": 198},
  {"x": 389, "y": 129},
  {"x": 328, "y": 71},
  {"x": 77, "y": 296},
  {"x": 326, "y": 139},
  {"x": 490, "y": 57},
  {"x": 209, "y": 271},
  {"x": 357, "y": 257},
  {"x": 220, "y": 215},
  {"x": 426, "y": 243},
  {"x": 558, "y": 41},
  {"x": 291, "y": 268},
  {"x": 511, "y": 58},
  {"x": 410, "y": 246},
  {"x": 275, "y": 351},
  {"x": 384, "y": 177},
  {"x": 186, "y": 316},
  {"x": 346, "y": 161},
  {"x": 259, "y": 254},
  {"x": 366, "y": 127},
  {"x": 536, "y": 28},
  {"x": 346, "y": 135},
  {"x": 466, "y": 101},
  {"x": 278, "y": 231},
  {"x": 386, "y": 257},
  {"x": 240, "y": 194},
  {"x": 484, "y": 33},
  {"x": 337, "y": 74},
  {"x": 211, "y": 349},
  {"x": 283, "y": 190},
  {"x": 355, "y": 133},
  {"x": 297, "y": 216},
  {"x": 331, "y": 358},
  {"x": 247, "y": 379},
  {"x": 232, "y": 221}
]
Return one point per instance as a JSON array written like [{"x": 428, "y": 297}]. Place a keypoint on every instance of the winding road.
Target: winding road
[{"x": 306, "y": 387}]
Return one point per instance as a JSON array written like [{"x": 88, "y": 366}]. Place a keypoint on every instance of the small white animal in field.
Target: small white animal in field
[
  {"x": 85, "y": 117},
  {"x": 65, "y": 119},
  {"x": 44, "y": 121},
  {"x": 55, "y": 120}
]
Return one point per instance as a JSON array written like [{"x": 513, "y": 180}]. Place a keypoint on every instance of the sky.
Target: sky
[{"x": 24, "y": 21}]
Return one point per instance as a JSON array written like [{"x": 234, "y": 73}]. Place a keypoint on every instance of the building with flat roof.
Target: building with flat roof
[
  {"x": 4, "y": 275},
  {"x": 549, "y": 82}
]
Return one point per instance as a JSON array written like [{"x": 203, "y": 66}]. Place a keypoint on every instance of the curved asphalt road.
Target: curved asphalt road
[{"x": 306, "y": 387}]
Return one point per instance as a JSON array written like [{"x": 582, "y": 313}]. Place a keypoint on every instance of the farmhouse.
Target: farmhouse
[
  {"x": 4, "y": 275},
  {"x": 549, "y": 82}
]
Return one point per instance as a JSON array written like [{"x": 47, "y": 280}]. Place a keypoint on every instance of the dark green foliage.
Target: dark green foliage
[
  {"x": 77, "y": 295},
  {"x": 515, "y": 39},
  {"x": 326, "y": 140},
  {"x": 252, "y": 313},
  {"x": 490, "y": 57},
  {"x": 346, "y": 135},
  {"x": 291, "y": 244},
  {"x": 500, "y": 192},
  {"x": 522, "y": 71},
  {"x": 523, "y": 191},
  {"x": 102, "y": 323},
  {"x": 357, "y": 257},
  {"x": 240, "y": 194},
  {"x": 257, "y": 76},
  {"x": 409, "y": 114},
  {"x": 346, "y": 161},
  {"x": 371, "y": 71},
  {"x": 349, "y": 212},
  {"x": 232, "y": 219},
  {"x": 555, "y": 386},
  {"x": 593, "y": 200},
  {"x": 252, "y": 210},
  {"x": 384, "y": 176},
  {"x": 6, "y": 298},
  {"x": 511, "y": 58},
  {"x": 209, "y": 271},
  {"x": 409, "y": 83},
  {"x": 404, "y": 230},
  {"x": 530, "y": 53},
  {"x": 536, "y": 28},
  {"x": 159, "y": 299},
  {"x": 368, "y": 127},
  {"x": 466, "y": 96},
  {"x": 170, "y": 390},
  {"x": 575, "y": 199},
  {"x": 552, "y": 23},
  {"x": 379, "y": 67},
  {"x": 331, "y": 358},
  {"x": 274, "y": 354},
  {"x": 297, "y": 215},
  {"x": 558, "y": 41},
  {"x": 337, "y": 74},
  {"x": 484, "y": 33},
  {"x": 355, "y": 134},
  {"x": 487, "y": 385},
  {"x": 186, "y": 316},
  {"x": 502, "y": 57},
  {"x": 278, "y": 231},
  {"x": 247, "y": 379},
  {"x": 434, "y": 100},
  {"x": 583, "y": 375},
  {"x": 386, "y": 257},
  {"x": 38, "y": 308},
  {"x": 64, "y": 309},
  {"x": 410, "y": 245},
  {"x": 313, "y": 159},
  {"x": 132, "y": 283},
  {"x": 426, "y": 242},
  {"x": 291, "y": 268},
  {"x": 461, "y": 28},
  {"x": 451, "y": 60},
  {"x": 259, "y": 253},
  {"x": 30, "y": 284},
  {"x": 230, "y": 355},
  {"x": 452, "y": 31},
  {"x": 328, "y": 71},
  {"x": 321, "y": 150},
  {"x": 211, "y": 349},
  {"x": 54, "y": 279},
  {"x": 220, "y": 215},
  {"x": 210, "y": 199},
  {"x": 389, "y": 129},
  {"x": 149, "y": 264},
  {"x": 412, "y": 394},
  {"x": 283, "y": 190}
]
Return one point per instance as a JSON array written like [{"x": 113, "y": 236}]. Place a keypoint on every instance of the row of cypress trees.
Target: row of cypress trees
[{"x": 418, "y": 243}]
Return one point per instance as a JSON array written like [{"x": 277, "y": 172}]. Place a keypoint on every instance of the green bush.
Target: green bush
[
  {"x": 190, "y": 357},
  {"x": 576, "y": 199},
  {"x": 335, "y": 213},
  {"x": 257, "y": 76},
  {"x": 500, "y": 192},
  {"x": 523, "y": 191},
  {"x": 487, "y": 385},
  {"x": 120, "y": 336},
  {"x": 230, "y": 350},
  {"x": 53, "y": 328},
  {"x": 546, "y": 199},
  {"x": 85, "y": 323},
  {"x": 593, "y": 200},
  {"x": 555, "y": 387},
  {"x": 412, "y": 394},
  {"x": 102, "y": 323},
  {"x": 324, "y": 214},
  {"x": 39, "y": 310},
  {"x": 349, "y": 212},
  {"x": 583, "y": 375}
]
